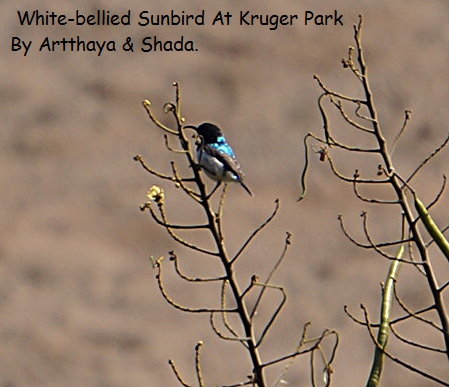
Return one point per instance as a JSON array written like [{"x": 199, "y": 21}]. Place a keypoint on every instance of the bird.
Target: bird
[{"x": 216, "y": 157}]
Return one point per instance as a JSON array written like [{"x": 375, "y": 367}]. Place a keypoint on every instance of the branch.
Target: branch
[
  {"x": 431, "y": 227},
  {"x": 299, "y": 351},
  {"x": 147, "y": 105},
  {"x": 174, "y": 259},
  {"x": 199, "y": 373},
  {"x": 415, "y": 315},
  {"x": 256, "y": 231},
  {"x": 369, "y": 200},
  {"x": 411, "y": 230},
  {"x": 176, "y": 305},
  {"x": 397, "y": 360},
  {"x": 177, "y": 374},
  {"x": 377, "y": 246},
  {"x": 276, "y": 312},
  {"x": 338, "y": 104},
  {"x": 428, "y": 158},
  {"x": 414, "y": 343},
  {"x": 439, "y": 194},
  {"x": 150, "y": 170},
  {"x": 385, "y": 317},
  {"x": 177, "y": 238},
  {"x": 329, "y": 139},
  {"x": 265, "y": 284},
  {"x": 404, "y": 125},
  {"x": 147, "y": 206}
]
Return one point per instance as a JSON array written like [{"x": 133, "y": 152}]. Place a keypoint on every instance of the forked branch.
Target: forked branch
[
  {"x": 242, "y": 328},
  {"x": 360, "y": 115}
]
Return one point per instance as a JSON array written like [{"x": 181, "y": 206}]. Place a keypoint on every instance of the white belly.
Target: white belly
[{"x": 214, "y": 168}]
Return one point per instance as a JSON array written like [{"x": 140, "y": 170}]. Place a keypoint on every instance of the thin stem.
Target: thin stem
[{"x": 385, "y": 317}]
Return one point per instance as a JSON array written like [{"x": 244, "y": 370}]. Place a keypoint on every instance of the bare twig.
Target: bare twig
[
  {"x": 428, "y": 158},
  {"x": 256, "y": 231},
  {"x": 270, "y": 275},
  {"x": 365, "y": 120},
  {"x": 401, "y": 131}
]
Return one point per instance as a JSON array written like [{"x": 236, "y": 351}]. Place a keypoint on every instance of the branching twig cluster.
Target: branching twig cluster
[
  {"x": 243, "y": 330},
  {"x": 360, "y": 115}
]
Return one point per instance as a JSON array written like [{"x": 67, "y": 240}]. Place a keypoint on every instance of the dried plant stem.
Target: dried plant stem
[
  {"x": 242, "y": 330},
  {"x": 364, "y": 120}
]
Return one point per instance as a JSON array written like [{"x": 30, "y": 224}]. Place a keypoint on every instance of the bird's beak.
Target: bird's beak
[{"x": 195, "y": 136}]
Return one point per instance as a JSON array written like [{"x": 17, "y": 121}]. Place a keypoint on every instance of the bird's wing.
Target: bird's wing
[{"x": 229, "y": 162}]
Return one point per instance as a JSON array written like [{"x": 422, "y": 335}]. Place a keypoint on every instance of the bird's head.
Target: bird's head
[{"x": 209, "y": 132}]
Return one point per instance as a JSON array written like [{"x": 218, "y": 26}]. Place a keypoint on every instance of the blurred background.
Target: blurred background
[{"x": 79, "y": 304}]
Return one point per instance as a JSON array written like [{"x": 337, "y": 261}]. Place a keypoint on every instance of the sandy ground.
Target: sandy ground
[{"x": 79, "y": 303}]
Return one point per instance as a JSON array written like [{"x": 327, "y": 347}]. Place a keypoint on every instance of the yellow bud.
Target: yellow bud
[{"x": 156, "y": 194}]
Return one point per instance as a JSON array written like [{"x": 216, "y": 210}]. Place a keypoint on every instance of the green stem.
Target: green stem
[
  {"x": 385, "y": 318},
  {"x": 431, "y": 227}
]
